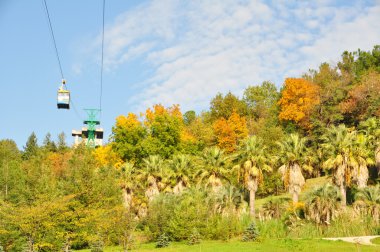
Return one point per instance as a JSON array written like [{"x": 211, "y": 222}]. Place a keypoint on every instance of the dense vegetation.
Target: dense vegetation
[{"x": 172, "y": 176}]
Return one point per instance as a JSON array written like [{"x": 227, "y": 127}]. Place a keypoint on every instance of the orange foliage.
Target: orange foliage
[
  {"x": 104, "y": 156},
  {"x": 159, "y": 110},
  {"x": 363, "y": 100},
  {"x": 58, "y": 162},
  {"x": 298, "y": 99},
  {"x": 229, "y": 132}
]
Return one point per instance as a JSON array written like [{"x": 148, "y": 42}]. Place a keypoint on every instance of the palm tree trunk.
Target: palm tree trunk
[
  {"x": 252, "y": 196},
  {"x": 295, "y": 197},
  {"x": 342, "y": 189}
]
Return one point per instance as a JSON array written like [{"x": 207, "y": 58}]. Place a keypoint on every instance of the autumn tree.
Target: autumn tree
[
  {"x": 298, "y": 100},
  {"x": 164, "y": 127},
  {"x": 363, "y": 100},
  {"x": 229, "y": 132},
  {"x": 127, "y": 135}
]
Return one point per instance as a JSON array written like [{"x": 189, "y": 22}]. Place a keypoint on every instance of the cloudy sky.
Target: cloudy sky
[{"x": 163, "y": 51}]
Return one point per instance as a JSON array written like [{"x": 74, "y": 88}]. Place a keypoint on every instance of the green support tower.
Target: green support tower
[{"x": 91, "y": 123}]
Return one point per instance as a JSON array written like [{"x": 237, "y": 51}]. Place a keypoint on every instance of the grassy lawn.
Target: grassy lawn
[
  {"x": 306, "y": 245},
  {"x": 376, "y": 241}
]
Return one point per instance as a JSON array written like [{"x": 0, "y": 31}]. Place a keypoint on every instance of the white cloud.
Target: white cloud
[{"x": 199, "y": 48}]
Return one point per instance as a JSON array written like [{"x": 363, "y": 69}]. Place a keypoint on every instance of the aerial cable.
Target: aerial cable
[
  {"x": 57, "y": 55},
  {"x": 102, "y": 61},
  {"x": 52, "y": 35}
]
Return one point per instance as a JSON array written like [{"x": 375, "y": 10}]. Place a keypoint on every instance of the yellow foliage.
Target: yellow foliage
[
  {"x": 298, "y": 100},
  {"x": 105, "y": 156},
  {"x": 127, "y": 121}
]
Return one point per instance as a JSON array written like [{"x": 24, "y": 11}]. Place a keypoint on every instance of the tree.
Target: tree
[
  {"x": 254, "y": 161},
  {"x": 261, "y": 100},
  {"x": 224, "y": 106},
  {"x": 105, "y": 156},
  {"x": 62, "y": 145},
  {"x": 164, "y": 126},
  {"x": 367, "y": 201},
  {"x": 213, "y": 168},
  {"x": 363, "y": 158},
  {"x": 371, "y": 128},
  {"x": 321, "y": 204},
  {"x": 338, "y": 147},
  {"x": 181, "y": 169},
  {"x": 298, "y": 100},
  {"x": 31, "y": 147},
  {"x": 363, "y": 100},
  {"x": 10, "y": 177},
  {"x": 332, "y": 91},
  {"x": 293, "y": 155},
  {"x": 48, "y": 144},
  {"x": 189, "y": 117},
  {"x": 127, "y": 138},
  {"x": 153, "y": 174},
  {"x": 229, "y": 132}
]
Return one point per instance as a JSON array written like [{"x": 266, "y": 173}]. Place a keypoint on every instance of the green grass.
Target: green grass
[
  {"x": 376, "y": 241},
  {"x": 281, "y": 245}
]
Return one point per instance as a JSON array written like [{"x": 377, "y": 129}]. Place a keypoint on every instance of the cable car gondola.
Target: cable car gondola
[{"x": 63, "y": 98}]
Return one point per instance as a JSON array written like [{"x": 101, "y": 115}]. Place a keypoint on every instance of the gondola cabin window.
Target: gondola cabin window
[{"x": 63, "y": 99}]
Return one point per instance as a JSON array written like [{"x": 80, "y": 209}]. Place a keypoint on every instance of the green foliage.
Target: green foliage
[
  {"x": 223, "y": 106},
  {"x": 194, "y": 238},
  {"x": 189, "y": 117},
  {"x": 162, "y": 241},
  {"x": 262, "y": 100},
  {"x": 31, "y": 147},
  {"x": 251, "y": 233},
  {"x": 97, "y": 246}
]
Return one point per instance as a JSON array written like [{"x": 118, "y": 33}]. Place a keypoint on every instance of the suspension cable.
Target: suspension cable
[
  {"x": 102, "y": 60},
  {"x": 53, "y": 38}
]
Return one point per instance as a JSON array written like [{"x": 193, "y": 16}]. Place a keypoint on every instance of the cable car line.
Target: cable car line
[
  {"x": 102, "y": 60},
  {"x": 52, "y": 35}
]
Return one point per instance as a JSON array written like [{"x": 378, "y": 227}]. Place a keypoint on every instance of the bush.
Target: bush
[
  {"x": 162, "y": 241},
  {"x": 251, "y": 233},
  {"x": 195, "y": 237}
]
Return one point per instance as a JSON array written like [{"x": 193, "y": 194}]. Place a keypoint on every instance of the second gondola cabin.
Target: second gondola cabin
[{"x": 63, "y": 99}]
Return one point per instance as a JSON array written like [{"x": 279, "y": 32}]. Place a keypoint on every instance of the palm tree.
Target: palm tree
[
  {"x": 213, "y": 168},
  {"x": 228, "y": 200},
  {"x": 181, "y": 168},
  {"x": 367, "y": 201},
  {"x": 321, "y": 204},
  {"x": 127, "y": 183},
  {"x": 153, "y": 174},
  {"x": 254, "y": 161},
  {"x": 371, "y": 128},
  {"x": 338, "y": 146},
  {"x": 362, "y": 156},
  {"x": 294, "y": 157}
]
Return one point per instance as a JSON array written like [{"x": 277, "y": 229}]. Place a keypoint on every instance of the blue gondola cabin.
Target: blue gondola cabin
[{"x": 63, "y": 99}]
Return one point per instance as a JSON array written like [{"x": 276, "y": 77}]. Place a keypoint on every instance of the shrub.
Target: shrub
[
  {"x": 162, "y": 241},
  {"x": 251, "y": 233},
  {"x": 194, "y": 238}
]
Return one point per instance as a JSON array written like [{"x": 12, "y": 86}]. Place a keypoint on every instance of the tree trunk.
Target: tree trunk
[
  {"x": 252, "y": 195},
  {"x": 342, "y": 189},
  {"x": 377, "y": 159},
  {"x": 295, "y": 197}
]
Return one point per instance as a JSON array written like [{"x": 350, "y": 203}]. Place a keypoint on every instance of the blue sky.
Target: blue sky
[{"x": 163, "y": 51}]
